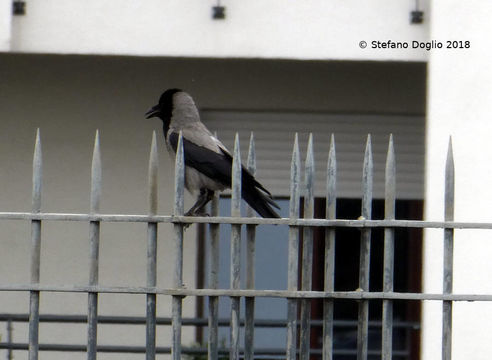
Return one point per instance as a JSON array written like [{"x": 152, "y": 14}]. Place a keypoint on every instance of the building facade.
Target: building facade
[{"x": 271, "y": 67}]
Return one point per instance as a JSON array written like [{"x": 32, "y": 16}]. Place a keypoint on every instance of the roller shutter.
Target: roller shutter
[{"x": 274, "y": 135}]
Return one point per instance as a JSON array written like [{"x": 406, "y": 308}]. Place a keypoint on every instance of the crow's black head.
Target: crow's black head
[{"x": 164, "y": 108}]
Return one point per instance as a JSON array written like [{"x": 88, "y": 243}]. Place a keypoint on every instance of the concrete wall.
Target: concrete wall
[
  {"x": 312, "y": 29},
  {"x": 460, "y": 95}
]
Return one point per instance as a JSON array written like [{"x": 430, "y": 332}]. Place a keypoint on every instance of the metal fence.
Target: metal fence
[{"x": 298, "y": 294}]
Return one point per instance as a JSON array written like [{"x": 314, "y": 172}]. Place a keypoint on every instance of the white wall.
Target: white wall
[
  {"x": 460, "y": 95},
  {"x": 314, "y": 29},
  {"x": 5, "y": 24},
  {"x": 68, "y": 104}
]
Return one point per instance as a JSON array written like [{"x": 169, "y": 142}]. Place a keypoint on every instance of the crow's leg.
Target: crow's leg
[{"x": 203, "y": 199}]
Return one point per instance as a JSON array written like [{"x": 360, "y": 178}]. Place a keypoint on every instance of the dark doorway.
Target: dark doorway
[{"x": 408, "y": 265}]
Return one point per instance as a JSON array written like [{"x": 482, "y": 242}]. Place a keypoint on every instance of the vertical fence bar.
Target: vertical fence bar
[
  {"x": 249, "y": 326},
  {"x": 235, "y": 250},
  {"x": 447, "y": 306},
  {"x": 389, "y": 251},
  {"x": 213, "y": 301},
  {"x": 331, "y": 209},
  {"x": 307, "y": 253},
  {"x": 365, "y": 250},
  {"x": 35, "y": 250},
  {"x": 10, "y": 339},
  {"x": 177, "y": 302},
  {"x": 94, "y": 231},
  {"x": 152, "y": 252},
  {"x": 293, "y": 261}
]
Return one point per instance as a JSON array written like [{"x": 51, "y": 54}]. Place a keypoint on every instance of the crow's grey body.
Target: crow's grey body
[
  {"x": 207, "y": 161},
  {"x": 185, "y": 118}
]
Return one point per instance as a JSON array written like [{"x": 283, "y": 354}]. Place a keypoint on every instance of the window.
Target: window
[{"x": 271, "y": 263}]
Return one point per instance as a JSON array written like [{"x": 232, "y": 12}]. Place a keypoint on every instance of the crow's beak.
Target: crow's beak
[{"x": 153, "y": 111}]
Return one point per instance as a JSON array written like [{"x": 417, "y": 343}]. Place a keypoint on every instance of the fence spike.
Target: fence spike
[
  {"x": 390, "y": 181},
  {"x": 448, "y": 249},
  {"x": 365, "y": 251},
  {"x": 331, "y": 180},
  {"x": 293, "y": 260},
  {"x": 309, "y": 176},
  {"x": 309, "y": 179},
  {"x": 152, "y": 252},
  {"x": 94, "y": 231},
  {"x": 329, "y": 285},
  {"x": 213, "y": 301},
  {"x": 249, "y": 326},
  {"x": 152, "y": 175},
  {"x": 37, "y": 174},
  {"x": 235, "y": 250},
  {"x": 177, "y": 301},
  {"x": 389, "y": 251},
  {"x": 179, "y": 178},
  {"x": 367, "y": 180},
  {"x": 449, "y": 186},
  {"x": 295, "y": 179},
  {"x": 307, "y": 252},
  {"x": 251, "y": 162},
  {"x": 236, "y": 180},
  {"x": 35, "y": 249},
  {"x": 96, "y": 174}
]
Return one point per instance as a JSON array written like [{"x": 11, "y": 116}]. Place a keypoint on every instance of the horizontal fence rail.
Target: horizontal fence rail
[
  {"x": 338, "y": 223},
  {"x": 223, "y": 322},
  {"x": 264, "y": 352},
  {"x": 352, "y": 295},
  {"x": 298, "y": 292},
  {"x": 167, "y": 321}
]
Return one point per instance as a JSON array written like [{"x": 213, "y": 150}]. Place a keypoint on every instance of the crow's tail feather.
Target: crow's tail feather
[{"x": 261, "y": 202}]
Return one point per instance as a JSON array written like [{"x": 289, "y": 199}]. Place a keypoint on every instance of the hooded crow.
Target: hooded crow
[{"x": 208, "y": 164}]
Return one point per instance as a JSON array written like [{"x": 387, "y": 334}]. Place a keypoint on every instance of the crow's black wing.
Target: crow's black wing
[{"x": 218, "y": 167}]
